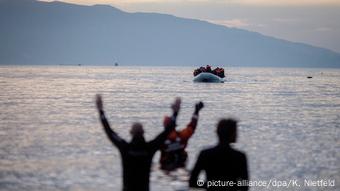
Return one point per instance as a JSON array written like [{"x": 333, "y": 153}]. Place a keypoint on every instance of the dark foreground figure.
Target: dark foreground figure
[
  {"x": 222, "y": 163},
  {"x": 173, "y": 153},
  {"x": 137, "y": 155}
]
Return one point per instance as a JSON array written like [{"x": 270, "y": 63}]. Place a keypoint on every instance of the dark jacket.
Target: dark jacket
[
  {"x": 221, "y": 163},
  {"x": 136, "y": 156}
]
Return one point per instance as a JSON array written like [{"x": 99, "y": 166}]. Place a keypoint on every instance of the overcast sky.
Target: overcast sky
[{"x": 316, "y": 22}]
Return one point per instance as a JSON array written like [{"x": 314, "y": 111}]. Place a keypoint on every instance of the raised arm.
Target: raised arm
[
  {"x": 169, "y": 125},
  {"x": 190, "y": 129},
  {"x": 115, "y": 139}
]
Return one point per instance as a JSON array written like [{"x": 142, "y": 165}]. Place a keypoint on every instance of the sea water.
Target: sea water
[{"x": 51, "y": 137}]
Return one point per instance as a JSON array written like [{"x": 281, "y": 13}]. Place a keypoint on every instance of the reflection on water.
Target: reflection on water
[{"x": 51, "y": 138}]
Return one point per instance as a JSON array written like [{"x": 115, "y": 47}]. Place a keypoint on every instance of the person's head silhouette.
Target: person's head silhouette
[
  {"x": 227, "y": 130},
  {"x": 137, "y": 130}
]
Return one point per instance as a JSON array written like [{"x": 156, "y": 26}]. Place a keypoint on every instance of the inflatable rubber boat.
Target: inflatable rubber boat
[{"x": 208, "y": 77}]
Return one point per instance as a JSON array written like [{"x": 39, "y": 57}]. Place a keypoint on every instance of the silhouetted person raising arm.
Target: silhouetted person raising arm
[
  {"x": 137, "y": 155},
  {"x": 222, "y": 163},
  {"x": 173, "y": 153}
]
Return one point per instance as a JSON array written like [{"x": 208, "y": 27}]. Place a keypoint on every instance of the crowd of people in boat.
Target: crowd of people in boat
[
  {"x": 219, "y": 163},
  {"x": 217, "y": 71}
]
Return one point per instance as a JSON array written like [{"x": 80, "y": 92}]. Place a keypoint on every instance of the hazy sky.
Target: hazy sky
[{"x": 316, "y": 22}]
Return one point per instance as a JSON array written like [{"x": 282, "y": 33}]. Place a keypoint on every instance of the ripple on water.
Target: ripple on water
[{"x": 51, "y": 138}]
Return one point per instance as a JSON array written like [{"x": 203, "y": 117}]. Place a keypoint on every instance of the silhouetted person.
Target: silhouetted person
[
  {"x": 208, "y": 68},
  {"x": 137, "y": 155},
  {"x": 173, "y": 153},
  {"x": 222, "y": 163}
]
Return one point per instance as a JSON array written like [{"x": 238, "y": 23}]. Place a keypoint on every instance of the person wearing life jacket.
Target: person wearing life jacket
[
  {"x": 202, "y": 69},
  {"x": 216, "y": 71},
  {"x": 197, "y": 71},
  {"x": 222, "y": 73},
  {"x": 173, "y": 154},
  {"x": 219, "y": 72}
]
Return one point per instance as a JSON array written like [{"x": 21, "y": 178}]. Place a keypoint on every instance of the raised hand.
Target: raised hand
[
  {"x": 199, "y": 106},
  {"x": 99, "y": 102},
  {"x": 176, "y": 106}
]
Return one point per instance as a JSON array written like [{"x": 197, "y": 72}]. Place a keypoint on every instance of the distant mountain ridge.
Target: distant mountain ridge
[{"x": 53, "y": 33}]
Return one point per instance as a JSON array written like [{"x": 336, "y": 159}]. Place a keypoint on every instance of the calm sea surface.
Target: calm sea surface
[{"x": 51, "y": 138}]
